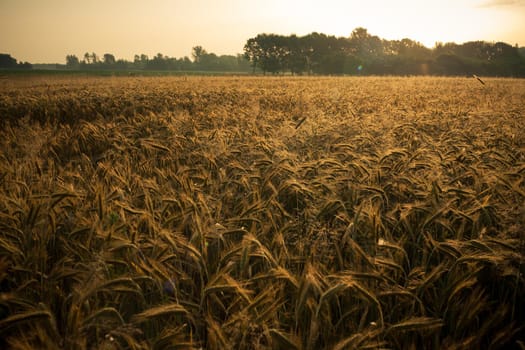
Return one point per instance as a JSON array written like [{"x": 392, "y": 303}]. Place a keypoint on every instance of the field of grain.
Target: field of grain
[{"x": 262, "y": 213}]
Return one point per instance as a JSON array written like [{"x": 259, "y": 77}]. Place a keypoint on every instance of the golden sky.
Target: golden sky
[{"x": 45, "y": 31}]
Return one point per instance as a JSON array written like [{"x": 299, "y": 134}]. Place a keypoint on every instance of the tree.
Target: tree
[
  {"x": 140, "y": 61},
  {"x": 270, "y": 60},
  {"x": 197, "y": 52},
  {"x": 159, "y": 62},
  {"x": 87, "y": 58},
  {"x": 109, "y": 59},
  {"x": 364, "y": 45},
  {"x": 208, "y": 61},
  {"x": 413, "y": 49},
  {"x": 318, "y": 48},
  {"x": 72, "y": 61},
  {"x": 253, "y": 52},
  {"x": 6, "y": 61},
  {"x": 295, "y": 58},
  {"x": 268, "y": 51}
]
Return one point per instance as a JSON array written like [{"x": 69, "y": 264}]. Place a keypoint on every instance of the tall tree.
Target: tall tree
[
  {"x": 109, "y": 59},
  {"x": 72, "y": 61},
  {"x": 253, "y": 52},
  {"x": 268, "y": 51},
  {"x": 197, "y": 53},
  {"x": 365, "y": 45},
  {"x": 6, "y": 61},
  {"x": 296, "y": 59}
]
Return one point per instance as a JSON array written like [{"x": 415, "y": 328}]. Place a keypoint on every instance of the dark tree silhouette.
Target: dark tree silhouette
[
  {"x": 253, "y": 52},
  {"x": 109, "y": 59},
  {"x": 363, "y": 53},
  {"x": 72, "y": 61},
  {"x": 197, "y": 52},
  {"x": 318, "y": 53},
  {"x": 87, "y": 58},
  {"x": 6, "y": 61}
]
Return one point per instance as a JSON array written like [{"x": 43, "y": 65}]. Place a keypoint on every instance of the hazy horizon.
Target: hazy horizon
[{"x": 45, "y": 32}]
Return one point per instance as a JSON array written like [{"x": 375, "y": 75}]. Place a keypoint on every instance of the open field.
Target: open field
[{"x": 262, "y": 213}]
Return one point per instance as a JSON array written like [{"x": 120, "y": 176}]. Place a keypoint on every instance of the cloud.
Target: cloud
[{"x": 502, "y": 3}]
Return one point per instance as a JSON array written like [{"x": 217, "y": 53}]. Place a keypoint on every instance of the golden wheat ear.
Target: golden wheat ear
[
  {"x": 249, "y": 213},
  {"x": 478, "y": 78}
]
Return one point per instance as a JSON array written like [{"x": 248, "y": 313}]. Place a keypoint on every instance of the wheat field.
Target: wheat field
[{"x": 262, "y": 213}]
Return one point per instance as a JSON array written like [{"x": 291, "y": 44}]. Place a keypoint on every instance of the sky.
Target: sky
[{"x": 45, "y": 31}]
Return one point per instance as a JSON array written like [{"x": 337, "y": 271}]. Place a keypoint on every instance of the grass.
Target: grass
[{"x": 261, "y": 213}]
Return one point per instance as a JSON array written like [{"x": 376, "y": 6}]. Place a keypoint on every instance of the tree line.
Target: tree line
[
  {"x": 8, "y": 62},
  {"x": 363, "y": 53},
  {"x": 359, "y": 54},
  {"x": 201, "y": 61}
]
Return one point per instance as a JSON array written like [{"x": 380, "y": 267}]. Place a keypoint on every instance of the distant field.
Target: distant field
[
  {"x": 262, "y": 213},
  {"x": 64, "y": 73}
]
